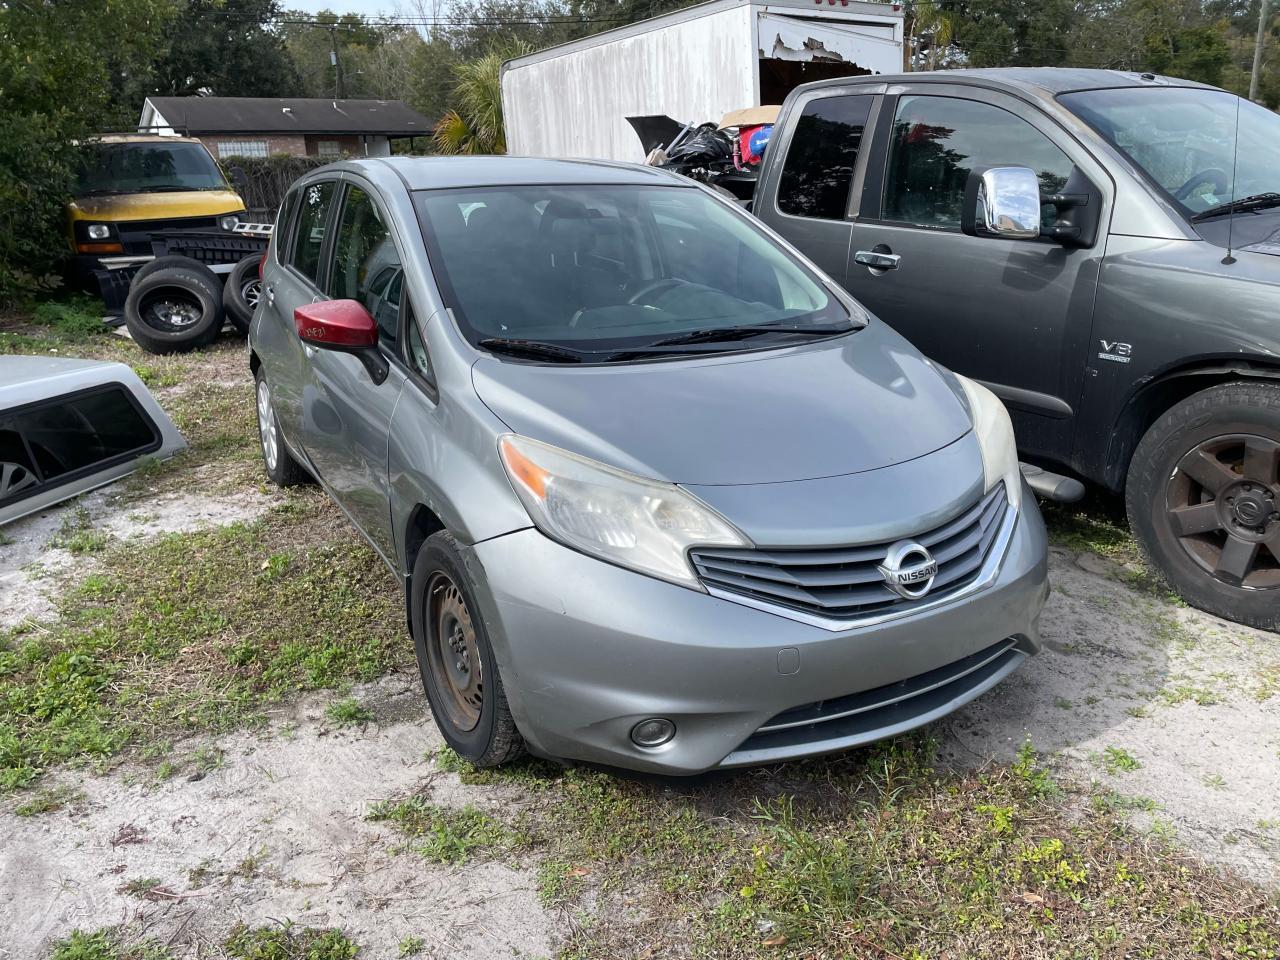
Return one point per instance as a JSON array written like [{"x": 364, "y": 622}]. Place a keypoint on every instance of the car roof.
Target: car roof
[
  {"x": 18, "y": 372},
  {"x": 435, "y": 173},
  {"x": 1051, "y": 80}
]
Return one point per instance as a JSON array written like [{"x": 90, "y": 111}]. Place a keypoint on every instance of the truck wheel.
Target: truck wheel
[
  {"x": 1203, "y": 497},
  {"x": 456, "y": 660},
  {"x": 282, "y": 469},
  {"x": 172, "y": 260},
  {"x": 174, "y": 308},
  {"x": 241, "y": 292}
]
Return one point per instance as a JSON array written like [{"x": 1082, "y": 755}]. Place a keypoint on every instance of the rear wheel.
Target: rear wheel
[
  {"x": 1203, "y": 498},
  {"x": 282, "y": 469},
  {"x": 456, "y": 659}
]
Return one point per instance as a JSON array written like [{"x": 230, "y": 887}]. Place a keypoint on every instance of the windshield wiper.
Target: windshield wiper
[
  {"x": 535, "y": 349},
  {"x": 1259, "y": 201},
  {"x": 731, "y": 334}
]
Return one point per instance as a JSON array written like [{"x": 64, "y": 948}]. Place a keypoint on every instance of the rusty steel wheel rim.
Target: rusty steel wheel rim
[
  {"x": 454, "y": 654},
  {"x": 1223, "y": 507}
]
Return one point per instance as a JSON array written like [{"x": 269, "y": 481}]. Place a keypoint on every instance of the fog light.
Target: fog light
[
  {"x": 99, "y": 231},
  {"x": 653, "y": 733}
]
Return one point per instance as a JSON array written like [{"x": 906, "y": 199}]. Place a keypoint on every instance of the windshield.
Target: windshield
[
  {"x": 147, "y": 167},
  {"x": 598, "y": 269},
  {"x": 1184, "y": 140}
]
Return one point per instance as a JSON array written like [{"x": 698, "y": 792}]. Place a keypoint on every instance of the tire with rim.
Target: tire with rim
[
  {"x": 282, "y": 469},
  {"x": 241, "y": 292},
  {"x": 456, "y": 659},
  {"x": 174, "y": 309},
  {"x": 1203, "y": 498}
]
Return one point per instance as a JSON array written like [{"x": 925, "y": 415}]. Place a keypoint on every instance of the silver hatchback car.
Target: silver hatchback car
[{"x": 661, "y": 495}]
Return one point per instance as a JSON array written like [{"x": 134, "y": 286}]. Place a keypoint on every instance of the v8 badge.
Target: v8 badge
[{"x": 1115, "y": 351}]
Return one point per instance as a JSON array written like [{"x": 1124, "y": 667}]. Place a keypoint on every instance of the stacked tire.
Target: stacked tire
[{"x": 176, "y": 304}]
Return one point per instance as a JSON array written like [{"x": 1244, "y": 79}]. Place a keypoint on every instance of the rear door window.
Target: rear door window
[
  {"x": 54, "y": 442},
  {"x": 818, "y": 171},
  {"x": 313, "y": 220}
]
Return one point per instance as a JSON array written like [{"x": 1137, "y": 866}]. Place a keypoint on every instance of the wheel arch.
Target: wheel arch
[
  {"x": 1151, "y": 399},
  {"x": 422, "y": 523}
]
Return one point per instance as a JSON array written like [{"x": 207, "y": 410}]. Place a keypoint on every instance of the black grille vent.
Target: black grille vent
[{"x": 843, "y": 583}]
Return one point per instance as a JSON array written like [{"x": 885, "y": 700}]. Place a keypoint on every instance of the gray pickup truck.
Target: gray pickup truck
[{"x": 1098, "y": 248}]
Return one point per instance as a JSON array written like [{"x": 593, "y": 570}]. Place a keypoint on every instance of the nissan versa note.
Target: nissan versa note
[{"x": 661, "y": 495}]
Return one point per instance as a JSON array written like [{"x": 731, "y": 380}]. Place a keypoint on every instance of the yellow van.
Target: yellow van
[{"x": 135, "y": 183}]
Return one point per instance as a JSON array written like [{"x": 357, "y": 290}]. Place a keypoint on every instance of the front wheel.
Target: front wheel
[
  {"x": 456, "y": 660},
  {"x": 1203, "y": 498}
]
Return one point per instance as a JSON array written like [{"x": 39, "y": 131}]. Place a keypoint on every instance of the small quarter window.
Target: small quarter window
[
  {"x": 419, "y": 359},
  {"x": 818, "y": 171}
]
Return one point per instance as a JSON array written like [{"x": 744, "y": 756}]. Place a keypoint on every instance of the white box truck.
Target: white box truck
[{"x": 694, "y": 65}]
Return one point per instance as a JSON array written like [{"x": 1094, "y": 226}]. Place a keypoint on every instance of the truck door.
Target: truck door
[
  {"x": 1012, "y": 314},
  {"x": 807, "y": 197}
]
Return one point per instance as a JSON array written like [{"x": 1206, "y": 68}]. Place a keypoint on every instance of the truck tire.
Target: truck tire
[
  {"x": 455, "y": 658},
  {"x": 1203, "y": 497},
  {"x": 174, "y": 309},
  {"x": 171, "y": 260},
  {"x": 241, "y": 291}
]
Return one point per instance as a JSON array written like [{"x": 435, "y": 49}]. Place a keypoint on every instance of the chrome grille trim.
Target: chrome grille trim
[{"x": 944, "y": 590}]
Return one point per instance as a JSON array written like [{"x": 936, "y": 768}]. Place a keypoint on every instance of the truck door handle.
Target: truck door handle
[{"x": 876, "y": 260}]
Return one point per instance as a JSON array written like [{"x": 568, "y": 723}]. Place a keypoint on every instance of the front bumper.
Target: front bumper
[{"x": 587, "y": 650}]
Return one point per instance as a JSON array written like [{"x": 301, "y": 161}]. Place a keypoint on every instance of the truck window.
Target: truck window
[
  {"x": 824, "y": 149},
  {"x": 936, "y": 141},
  {"x": 305, "y": 256}
]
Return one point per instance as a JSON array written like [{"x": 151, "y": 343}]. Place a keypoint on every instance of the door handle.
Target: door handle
[
  {"x": 269, "y": 294},
  {"x": 876, "y": 260}
]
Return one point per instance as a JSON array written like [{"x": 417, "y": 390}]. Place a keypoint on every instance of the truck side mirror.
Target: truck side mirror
[{"x": 1002, "y": 202}]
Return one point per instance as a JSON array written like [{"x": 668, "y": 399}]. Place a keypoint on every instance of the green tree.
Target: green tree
[
  {"x": 475, "y": 124},
  {"x": 58, "y": 65}
]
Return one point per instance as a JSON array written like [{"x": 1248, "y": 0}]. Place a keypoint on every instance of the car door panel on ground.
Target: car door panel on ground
[
  {"x": 346, "y": 415},
  {"x": 998, "y": 292}
]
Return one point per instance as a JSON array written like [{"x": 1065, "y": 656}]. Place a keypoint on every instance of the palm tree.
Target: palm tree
[{"x": 475, "y": 125}]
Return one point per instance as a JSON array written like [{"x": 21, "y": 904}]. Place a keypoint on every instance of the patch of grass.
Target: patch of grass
[
  {"x": 527, "y": 771},
  {"x": 1180, "y": 693},
  {"x": 154, "y": 377},
  {"x": 1214, "y": 781},
  {"x": 77, "y": 535},
  {"x": 873, "y": 854},
  {"x": 1097, "y": 524},
  {"x": 140, "y": 886},
  {"x": 71, "y": 319},
  {"x": 445, "y": 835},
  {"x": 348, "y": 713},
  {"x": 287, "y": 942},
  {"x": 1119, "y": 760},
  {"x": 109, "y": 943},
  {"x": 411, "y": 946},
  {"x": 47, "y": 801},
  {"x": 140, "y": 653}
]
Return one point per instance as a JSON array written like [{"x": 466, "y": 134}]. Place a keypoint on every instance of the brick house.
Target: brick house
[{"x": 261, "y": 126}]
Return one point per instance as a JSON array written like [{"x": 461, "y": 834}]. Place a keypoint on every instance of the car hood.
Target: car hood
[
  {"x": 860, "y": 402},
  {"x": 122, "y": 208}
]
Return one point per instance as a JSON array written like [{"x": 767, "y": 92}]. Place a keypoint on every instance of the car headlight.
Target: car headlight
[
  {"x": 994, "y": 430},
  {"x": 645, "y": 525},
  {"x": 229, "y": 222},
  {"x": 98, "y": 231}
]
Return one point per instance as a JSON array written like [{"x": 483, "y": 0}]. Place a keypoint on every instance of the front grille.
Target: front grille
[
  {"x": 843, "y": 583},
  {"x": 137, "y": 235},
  {"x": 866, "y": 716}
]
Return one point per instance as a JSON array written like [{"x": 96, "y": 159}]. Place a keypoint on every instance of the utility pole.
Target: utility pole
[
  {"x": 1257, "y": 51},
  {"x": 338, "y": 91}
]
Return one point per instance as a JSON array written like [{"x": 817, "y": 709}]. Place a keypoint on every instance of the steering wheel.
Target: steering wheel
[
  {"x": 1219, "y": 178},
  {"x": 652, "y": 287}
]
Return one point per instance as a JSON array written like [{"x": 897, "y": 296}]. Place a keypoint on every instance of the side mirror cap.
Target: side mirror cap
[
  {"x": 1002, "y": 202},
  {"x": 344, "y": 326}
]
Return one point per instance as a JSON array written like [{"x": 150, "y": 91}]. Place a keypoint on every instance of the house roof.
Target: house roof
[{"x": 197, "y": 115}]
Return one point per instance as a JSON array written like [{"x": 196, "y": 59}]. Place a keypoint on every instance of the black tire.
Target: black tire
[
  {"x": 172, "y": 260},
  {"x": 439, "y": 581},
  {"x": 282, "y": 469},
  {"x": 240, "y": 292},
  {"x": 174, "y": 309},
  {"x": 1203, "y": 497}
]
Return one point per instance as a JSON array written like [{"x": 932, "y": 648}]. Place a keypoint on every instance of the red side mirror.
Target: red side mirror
[{"x": 336, "y": 324}]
